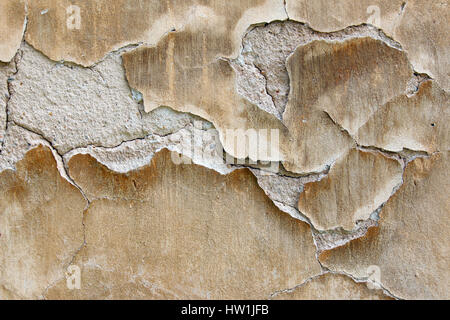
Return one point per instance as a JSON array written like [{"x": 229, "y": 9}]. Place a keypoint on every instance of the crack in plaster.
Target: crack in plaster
[
  {"x": 16, "y": 60},
  {"x": 61, "y": 165},
  {"x": 267, "y": 47},
  {"x": 327, "y": 271}
]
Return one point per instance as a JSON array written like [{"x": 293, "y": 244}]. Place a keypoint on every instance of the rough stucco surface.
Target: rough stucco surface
[{"x": 126, "y": 151}]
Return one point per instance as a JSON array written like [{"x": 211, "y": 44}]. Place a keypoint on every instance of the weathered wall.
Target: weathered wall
[{"x": 217, "y": 149}]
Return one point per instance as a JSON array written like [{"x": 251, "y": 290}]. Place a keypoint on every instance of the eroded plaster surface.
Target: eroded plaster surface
[
  {"x": 72, "y": 106},
  {"x": 118, "y": 130}
]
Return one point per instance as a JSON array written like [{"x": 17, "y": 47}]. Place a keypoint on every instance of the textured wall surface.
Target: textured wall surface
[{"x": 210, "y": 149}]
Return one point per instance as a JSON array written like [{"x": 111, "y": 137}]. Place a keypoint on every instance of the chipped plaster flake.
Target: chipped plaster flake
[
  {"x": 5, "y": 71},
  {"x": 208, "y": 91},
  {"x": 415, "y": 24},
  {"x": 126, "y": 22},
  {"x": 40, "y": 225},
  {"x": 419, "y": 122},
  {"x": 12, "y": 19},
  {"x": 212, "y": 231},
  {"x": 424, "y": 39},
  {"x": 330, "y": 239},
  {"x": 356, "y": 186},
  {"x": 410, "y": 245},
  {"x": 348, "y": 80},
  {"x": 75, "y": 107}
]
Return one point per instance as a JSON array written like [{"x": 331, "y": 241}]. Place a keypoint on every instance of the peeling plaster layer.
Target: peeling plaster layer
[
  {"x": 212, "y": 232},
  {"x": 208, "y": 90},
  {"x": 410, "y": 246},
  {"x": 333, "y": 90},
  {"x": 309, "y": 119},
  {"x": 17, "y": 143},
  {"x": 416, "y": 24},
  {"x": 418, "y": 122},
  {"x": 332, "y": 287},
  {"x": 197, "y": 141},
  {"x": 425, "y": 39},
  {"x": 262, "y": 76},
  {"x": 53, "y": 26},
  {"x": 356, "y": 186},
  {"x": 86, "y": 33},
  {"x": 329, "y": 16},
  {"x": 359, "y": 110},
  {"x": 349, "y": 81},
  {"x": 12, "y": 19},
  {"x": 40, "y": 225}
]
